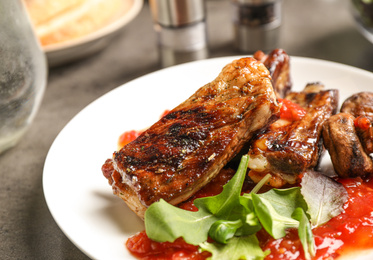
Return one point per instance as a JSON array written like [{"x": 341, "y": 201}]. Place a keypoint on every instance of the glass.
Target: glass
[{"x": 23, "y": 73}]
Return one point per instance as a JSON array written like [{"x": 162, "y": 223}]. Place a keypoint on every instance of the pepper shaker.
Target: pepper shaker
[
  {"x": 181, "y": 30},
  {"x": 256, "y": 24}
]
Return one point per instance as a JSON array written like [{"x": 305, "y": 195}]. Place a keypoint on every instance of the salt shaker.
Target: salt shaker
[
  {"x": 181, "y": 30},
  {"x": 256, "y": 24}
]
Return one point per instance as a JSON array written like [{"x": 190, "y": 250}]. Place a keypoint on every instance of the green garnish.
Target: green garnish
[
  {"x": 232, "y": 219},
  {"x": 305, "y": 233}
]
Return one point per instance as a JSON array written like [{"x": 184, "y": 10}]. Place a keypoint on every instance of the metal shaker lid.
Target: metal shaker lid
[
  {"x": 175, "y": 13},
  {"x": 253, "y": 2}
]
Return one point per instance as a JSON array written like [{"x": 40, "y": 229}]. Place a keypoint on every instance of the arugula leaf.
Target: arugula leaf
[
  {"x": 251, "y": 225},
  {"x": 273, "y": 222},
  {"x": 227, "y": 202},
  {"x": 232, "y": 220},
  {"x": 325, "y": 197},
  {"x": 164, "y": 222},
  {"x": 285, "y": 201},
  {"x": 222, "y": 230},
  {"x": 245, "y": 247},
  {"x": 275, "y": 207},
  {"x": 305, "y": 233}
]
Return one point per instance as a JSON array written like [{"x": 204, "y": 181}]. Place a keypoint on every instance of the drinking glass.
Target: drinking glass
[{"x": 23, "y": 73}]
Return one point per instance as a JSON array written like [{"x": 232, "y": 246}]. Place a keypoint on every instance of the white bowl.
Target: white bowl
[{"x": 61, "y": 53}]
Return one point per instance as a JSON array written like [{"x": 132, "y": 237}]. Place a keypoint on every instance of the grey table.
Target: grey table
[{"x": 320, "y": 29}]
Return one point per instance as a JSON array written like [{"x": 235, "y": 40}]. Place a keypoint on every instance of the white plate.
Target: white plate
[
  {"x": 61, "y": 53},
  {"x": 78, "y": 195}
]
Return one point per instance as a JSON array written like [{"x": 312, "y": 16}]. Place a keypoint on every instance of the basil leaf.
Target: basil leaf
[
  {"x": 305, "y": 233},
  {"x": 164, "y": 222},
  {"x": 237, "y": 248},
  {"x": 222, "y": 230},
  {"x": 325, "y": 197}
]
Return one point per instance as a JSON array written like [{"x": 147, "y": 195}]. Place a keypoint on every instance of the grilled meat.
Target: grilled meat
[
  {"x": 364, "y": 130},
  {"x": 348, "y": 137},
  {"x": 278, "y": 64},
  {"x": 288, "y": 148},
  {"x": 185, "y": 149},
  {"x": 345, "y": 148},
  {"x": 360, "y": 104}
]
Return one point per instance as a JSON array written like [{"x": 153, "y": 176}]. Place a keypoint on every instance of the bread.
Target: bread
[{"x": 57, "y": 21}]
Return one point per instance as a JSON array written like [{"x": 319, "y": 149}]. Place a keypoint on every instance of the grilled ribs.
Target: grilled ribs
[
  {"x": 185, "y": 149},
  {"x": 289, "y": 148},
  {"x": 278, "y": 64},
  {"x": 348, "y": 136}
]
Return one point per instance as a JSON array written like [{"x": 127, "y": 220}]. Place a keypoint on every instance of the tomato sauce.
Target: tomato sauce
[
  {"x": 131, "y": 135},
  {"x": 362, "y": 122},
  {"x": 128, "y": 137},
  {"x": 145, "y": 249},
  {"x": 351, "y": 230},
  {"x": 291, "y": 111}
]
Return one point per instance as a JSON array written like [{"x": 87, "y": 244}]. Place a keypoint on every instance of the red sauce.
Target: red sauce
[
  {"x": 128, "y": 137},
  {"x": 291, "y": 111},
  {"x": 165, "y": 113},
  {"x": 362, "y": 123},
  {"x": 351, "y": 230},
  {"x": 131, "y": 135},
  {"x": 145, "y": 249}
]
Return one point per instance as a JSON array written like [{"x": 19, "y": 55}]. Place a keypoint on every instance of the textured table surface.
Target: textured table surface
[{"x": 321, "y": 29}]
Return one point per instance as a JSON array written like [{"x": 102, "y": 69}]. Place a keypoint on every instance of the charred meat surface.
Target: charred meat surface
[
  {"x": 188, "y": 147},
  {"x": 348, "y": 137},
  {"x": 278, "y": 64},
  {"x": 345, "y": 148},
  {"x": 359, "y": 104},
  {"x": 288, "y": 148}
]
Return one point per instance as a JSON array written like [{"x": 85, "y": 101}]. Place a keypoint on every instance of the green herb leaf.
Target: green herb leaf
[
  {"x": 305, "y": 233},
  {"x": 325, "y": 197},
  {"x": 237, "y": 248},
  {"x": 222, "y": 230},
  {"x": 233, "y": 220},
  {"x": 164, "y": 222},
  {"x": 251, "y": 225},
  {"x": 273, "y": 222},
  {"x": 228, "y": 201},
  {"x": 285, "y": 201}
]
